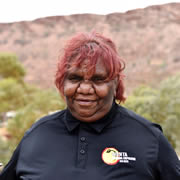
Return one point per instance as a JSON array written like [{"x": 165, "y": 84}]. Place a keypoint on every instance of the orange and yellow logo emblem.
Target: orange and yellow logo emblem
[{"x": 109, "y": 156}]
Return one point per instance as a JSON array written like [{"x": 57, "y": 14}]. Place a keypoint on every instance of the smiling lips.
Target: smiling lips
[{"x": 85, "y": 102}]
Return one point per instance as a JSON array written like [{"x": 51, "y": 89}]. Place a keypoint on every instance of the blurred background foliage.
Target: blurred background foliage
[
  {"x": 11, "y": 67},
  {"x": 160, "y": 105},
  {"x": 27, "y": 101}
]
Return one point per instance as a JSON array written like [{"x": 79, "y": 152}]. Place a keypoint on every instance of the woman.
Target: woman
[{"x": 94, "y": 138}]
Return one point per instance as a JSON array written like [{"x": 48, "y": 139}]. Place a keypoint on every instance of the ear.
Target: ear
[{"x": 115, "y": 85}]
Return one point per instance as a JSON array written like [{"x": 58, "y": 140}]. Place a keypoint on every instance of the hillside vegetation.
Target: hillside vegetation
[{"x": 28, "y": 102}]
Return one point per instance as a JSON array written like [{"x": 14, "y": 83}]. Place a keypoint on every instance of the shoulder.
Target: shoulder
[
  {"x": 139, "y": 122},
  {"x": 45, "y": 120}
]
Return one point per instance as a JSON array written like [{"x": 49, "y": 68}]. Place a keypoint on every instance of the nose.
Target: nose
[{"x": 85, "y": 87}]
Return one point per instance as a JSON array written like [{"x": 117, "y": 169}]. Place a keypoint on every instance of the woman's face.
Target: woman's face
[{"x": 89, "y": 98}]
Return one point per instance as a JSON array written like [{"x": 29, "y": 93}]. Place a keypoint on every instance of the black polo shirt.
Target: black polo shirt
[{"x": 120, "y": 146}]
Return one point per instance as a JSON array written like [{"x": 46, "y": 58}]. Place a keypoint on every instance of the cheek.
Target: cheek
[
  {"x": 103, "y": 90},
  {"x": 69, "y": 89}
]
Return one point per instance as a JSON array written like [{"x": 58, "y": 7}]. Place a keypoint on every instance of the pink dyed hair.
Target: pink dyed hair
[{"x": 92, "y": 46}]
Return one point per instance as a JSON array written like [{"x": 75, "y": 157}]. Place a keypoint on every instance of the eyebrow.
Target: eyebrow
[
  {"x": 99, "y": 75},
  {"x": 78, "y": 72}
]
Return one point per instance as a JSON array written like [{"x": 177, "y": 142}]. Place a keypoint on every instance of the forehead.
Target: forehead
[{"x": 86, "y": 68}]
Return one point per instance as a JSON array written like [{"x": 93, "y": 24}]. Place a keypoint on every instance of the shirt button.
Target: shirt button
[
  {"x": 82, "y": 151},
  {"x": 82, "y": 139}
]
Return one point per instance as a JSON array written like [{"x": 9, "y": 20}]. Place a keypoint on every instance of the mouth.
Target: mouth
[{"x": 85, "y": 102}]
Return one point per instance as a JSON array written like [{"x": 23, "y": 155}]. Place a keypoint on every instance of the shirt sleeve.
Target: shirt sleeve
[
  {"x": 9, "y": 171},
  {"x": 168, "y": 162}
]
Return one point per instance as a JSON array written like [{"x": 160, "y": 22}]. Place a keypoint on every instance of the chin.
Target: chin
[
  {"x": 85, "y": 114},
  {"x": 88, "y": 116}
]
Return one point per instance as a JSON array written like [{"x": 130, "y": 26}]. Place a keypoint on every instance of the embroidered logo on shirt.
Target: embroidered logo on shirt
[{"x": 112, "y": 156}]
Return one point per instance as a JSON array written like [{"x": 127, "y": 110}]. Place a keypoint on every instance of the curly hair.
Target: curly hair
[{"x": 91, "y": 46}]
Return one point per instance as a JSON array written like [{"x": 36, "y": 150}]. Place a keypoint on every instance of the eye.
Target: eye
[
  {"x": 98, "y": 79},
  {"x": 74, "y": 78}
]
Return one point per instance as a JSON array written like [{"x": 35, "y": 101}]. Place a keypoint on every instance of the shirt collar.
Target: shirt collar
[{"x": 72, "y": 123}]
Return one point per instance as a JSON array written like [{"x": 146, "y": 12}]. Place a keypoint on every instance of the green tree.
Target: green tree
[
  {"x": 29, "y": 102},
  {"x": 10, "y": 67},
  {"x": 165, "y": 108},
  {"x": 160, "y": 105},
  {"x": 141, "y": 100},
  {"x": 12, "y": 95}
]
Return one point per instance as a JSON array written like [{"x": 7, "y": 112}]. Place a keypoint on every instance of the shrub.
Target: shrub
[
  {"x": 10, "y": 67},
  {"x": 161, "y": 106}
]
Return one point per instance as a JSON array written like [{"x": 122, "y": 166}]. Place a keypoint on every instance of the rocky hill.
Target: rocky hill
[{"x": 147, "y": 39}]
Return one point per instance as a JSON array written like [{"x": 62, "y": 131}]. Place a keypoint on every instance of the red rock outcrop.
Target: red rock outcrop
[{"x": 147, "y": 39}]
